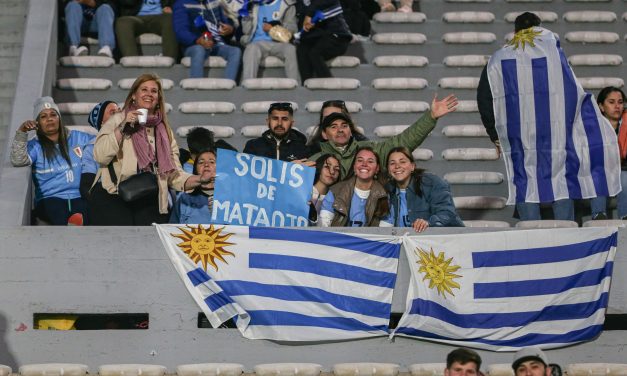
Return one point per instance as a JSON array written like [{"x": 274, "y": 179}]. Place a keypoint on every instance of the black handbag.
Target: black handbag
[{"x": 137, "y": 186}]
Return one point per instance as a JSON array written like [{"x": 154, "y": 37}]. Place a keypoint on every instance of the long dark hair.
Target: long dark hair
[
  {"x": 607, "y": 91},
  {"x": 416, "y": 175},
  {"x": 320, "y": 164},
  {"x": 49, "y": 147},
  {"x": 383, "y": 206}
]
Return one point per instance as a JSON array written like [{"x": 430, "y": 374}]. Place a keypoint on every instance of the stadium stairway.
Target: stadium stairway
[{"x": 12, "y": 19}]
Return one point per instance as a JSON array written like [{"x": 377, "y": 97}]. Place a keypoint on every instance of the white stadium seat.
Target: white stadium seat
[
  {"x": 385, "y": 131},
  {"x": 211, "y": 61},
  {"x": 470, "y": 154},
  {"x": 479, "y": 202},
  {"x": 544, "y": 16},
  {"x": 288, "y": 369},
  {"x": 261, "y": 107},
  {"x": 207, "y": 84},
  {"x": 596, "y": 369},
  {"x": 149, "y": 39},
  {"x": 400, "y": 106},
  {"x": 500, "y": 369},
  {"x": 469, "y": 37},
  {"x": 399, "y": 83},
  {"x": 458, "y": 82},
  {"x": 86, "y": 61},
  {"x": 474, "y": 177},
  {"x": 399, "y": 17},
  {"x": 332, "y": 83},
  {"x": 400, "y": 61},
  {"x": 210, "y": 369},
  {"x": 5, "y": 370},
  {"x": 422, "y": 154},
  {"x": 605, "y": 223},
  {"x": 595, "y": 60},
  {"x": 600, "y": 82},
  {"x": 344, "y": 62},
  {"x": 206, "y": 107},
  {"x": 589, "y": 16},
  {"x": 131, "y": 370},
  {"x": 465, "y": 130},
  {"x": 427, "y": 369},
  {"x": 84, "y": 84},
  {"x": 487, "y": 224},
  {"x": 399, "y": 38},
  {"x": 466, "y": 60},
  {"x": 54, "y": 369},
  {"x": 147, "y": 62},
  {"x": 591, "y": 37},
  {"x": 365, "y": 369},
  {"x": 467, "y": 106},
  {"x": 546, "y": 223},
  {"x": 468, "y": 17},
  {"x": 269, "y": 83}
]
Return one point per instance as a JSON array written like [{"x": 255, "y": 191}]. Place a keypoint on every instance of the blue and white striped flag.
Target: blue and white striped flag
[
  {"x": 510, "y": 289},
  {"x": 556, "y": 143},
  {"x": 287, "y": 284}
]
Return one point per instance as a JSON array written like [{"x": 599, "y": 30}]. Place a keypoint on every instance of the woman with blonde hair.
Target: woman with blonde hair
[{"x": 138, "y": 140}]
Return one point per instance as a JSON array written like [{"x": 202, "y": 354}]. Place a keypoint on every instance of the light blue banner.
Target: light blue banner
[{"x": 257, "y": 191}]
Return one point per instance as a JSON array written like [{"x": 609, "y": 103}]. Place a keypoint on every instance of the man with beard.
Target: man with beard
[{"x": 280, "y": 141}]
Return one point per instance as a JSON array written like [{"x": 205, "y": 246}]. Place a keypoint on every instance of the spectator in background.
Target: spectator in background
[
  {"x": 418, "y": 199},
  {"x": 97, "y": 116},
  {"x": 336, "y": 130},
  {"x": 125, "y": 147},
  {"x": 56, "y": 159},
  {"x": 200, "y": 138},
  {"x": 201, "y": 28},
  {"x": 325, "y": 36},
  {"x": 90, "y": 17},
  {"x": 360, "y": 200},
  {"x": 196, "y": 207},
  {"x": 329, "y": 107},
  {"x": 463, "y": 362},
  {"x": 137, "y": 17},
  {"x": 280, "y": 141},
  {"x": 356, "y": 18},
  {"x": 327, "y": 174},
  {"x": 611, "y": 101},
  {"x": 259, "y": 24},
  {"x": 388, "y": 6}
]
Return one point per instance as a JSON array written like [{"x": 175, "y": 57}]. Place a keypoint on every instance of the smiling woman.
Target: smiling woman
[
  {"x": 360, "y": 200},
  {"x": 137, "y": 141}
]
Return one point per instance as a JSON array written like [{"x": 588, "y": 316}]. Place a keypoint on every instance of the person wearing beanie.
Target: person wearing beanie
[
  {"x": 56, "y": 158},
  {"x": 97, "y": 116},
  {"x": 531, "y": 361}
]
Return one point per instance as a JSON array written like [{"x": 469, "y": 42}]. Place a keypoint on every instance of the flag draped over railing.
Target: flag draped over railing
[
  {"x": 506, "y": 290},
  {"x": 556, "y": 143},
  {"x": 287, "y": 284}
]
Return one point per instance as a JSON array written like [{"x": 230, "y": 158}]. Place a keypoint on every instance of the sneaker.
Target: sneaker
[
  {"x": 389, "y": 7},
  {"x": 599, "y": 216},
  {"x": 78, "y": 51},
  {"x": 105, "y": 51},
  {"x": 404, "y": 9},
  {"x": 75, "y": 219}
]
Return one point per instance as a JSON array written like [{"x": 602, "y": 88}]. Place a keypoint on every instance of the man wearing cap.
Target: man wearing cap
[
  {"x": 56, "y": 158},
  {"x": 339, "y": 140},
  {"x": 280, "y": 141},
  {"x": 531, "y": 361},
  {"x": 462, "y": 362}
]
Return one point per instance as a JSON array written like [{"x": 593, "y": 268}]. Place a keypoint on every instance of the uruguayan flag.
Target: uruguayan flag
[
  {"x": 506, "y": 290},
  {"x": 287, "y": 284},
  {"x": 556, "y": 143}
]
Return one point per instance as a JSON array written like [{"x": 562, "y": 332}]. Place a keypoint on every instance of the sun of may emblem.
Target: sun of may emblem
[
  {"x": 524, "y": 37},
  {"x": 438, "y": 270},
  {"x": 204, "y": 244}
]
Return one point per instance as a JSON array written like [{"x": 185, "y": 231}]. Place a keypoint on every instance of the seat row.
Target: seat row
[
  {"x": 291, "y": 369},
  {"x": 587, "y": 16}
]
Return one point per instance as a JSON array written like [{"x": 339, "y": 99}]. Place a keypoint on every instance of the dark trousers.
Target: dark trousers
[
  {"x": 110, "y": 210},
  {"x": 56, "y": 211},
  {"x": 128, "y": 28},
  {"x": 313, "y": 52}
]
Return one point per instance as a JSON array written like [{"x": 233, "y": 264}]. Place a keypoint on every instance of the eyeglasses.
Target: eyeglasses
[
  {"x": 334, "y": 103},
  {"x": 281, "y": 106}
]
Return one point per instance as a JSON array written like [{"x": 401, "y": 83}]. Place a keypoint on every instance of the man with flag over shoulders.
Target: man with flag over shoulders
[
  {"x": 556, "y": 144},
  {"x": 462, "y": 362}
]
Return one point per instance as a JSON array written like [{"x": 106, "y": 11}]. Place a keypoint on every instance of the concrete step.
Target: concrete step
[
  {"x": 11, "y": 49},
  {"x": 15, "y": 36},
  {"x": 8, "y": 76}
]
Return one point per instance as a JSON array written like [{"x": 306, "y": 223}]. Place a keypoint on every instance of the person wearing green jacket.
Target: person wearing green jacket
[{"x": 339, "y": 141}]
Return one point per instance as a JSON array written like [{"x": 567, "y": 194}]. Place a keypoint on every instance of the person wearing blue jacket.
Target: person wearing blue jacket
[
  {"x": 201, "y": 27},
  {"x": 417, "y": 199},
  {"x": 196, "y": 207},
  {"x": 56, "y": 158}
]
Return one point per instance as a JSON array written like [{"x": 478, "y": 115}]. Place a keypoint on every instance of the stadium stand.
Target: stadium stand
[{"x": 124, "y": 270}]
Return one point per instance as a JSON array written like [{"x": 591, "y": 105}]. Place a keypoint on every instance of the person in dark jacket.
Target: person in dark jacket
[
  {"x": 202, "y": 27},
  {"x": 418, "y": 199},
  {"x": 280, "y": 141},
  {"x": 325, "y": 35},
  {"x": 145, "y": 16}
]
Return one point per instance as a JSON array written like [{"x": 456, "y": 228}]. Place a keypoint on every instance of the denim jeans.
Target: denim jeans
[
  {"x": 198, "y": 55},
  {"x": 102, "y": 23},
  {"x": 562, "y": 209},
  {"x": 599, "y": 204}
]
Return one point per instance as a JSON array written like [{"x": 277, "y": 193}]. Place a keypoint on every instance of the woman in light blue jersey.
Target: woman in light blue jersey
[
  {"x": 56, "y": 158},
  {"x": 418, "y": 199}
]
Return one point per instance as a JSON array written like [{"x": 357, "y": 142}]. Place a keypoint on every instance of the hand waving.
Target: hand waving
[{"x": 444, "y": 106}]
